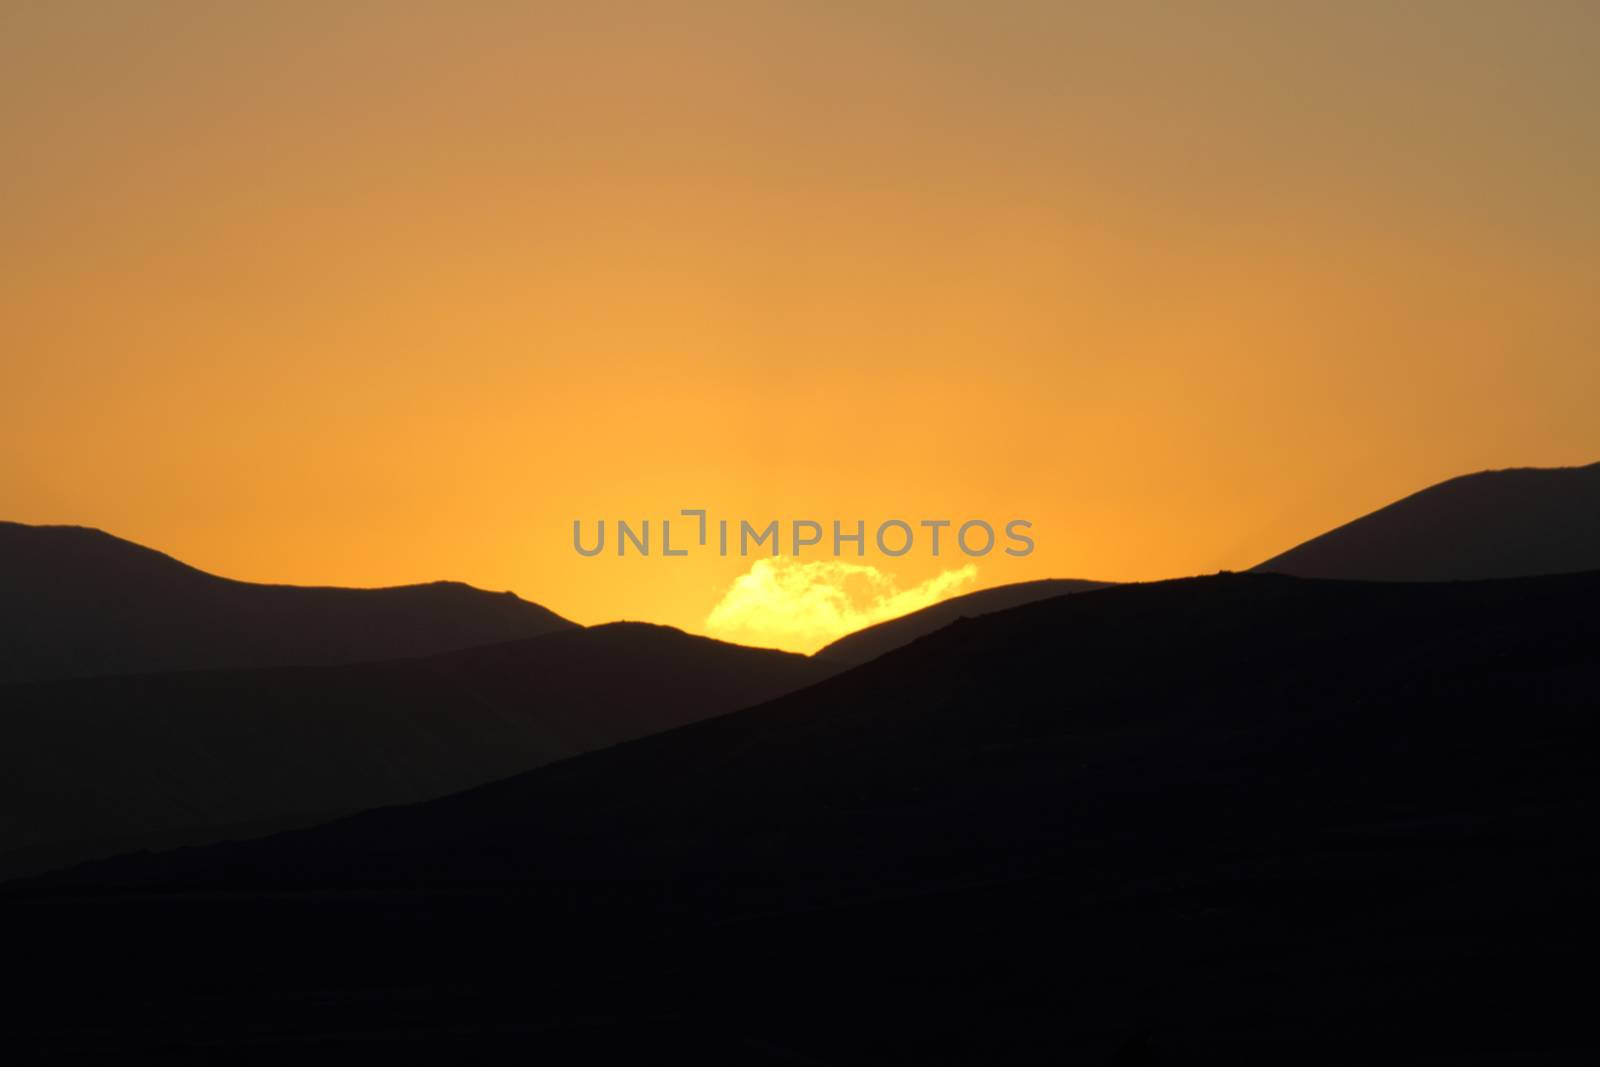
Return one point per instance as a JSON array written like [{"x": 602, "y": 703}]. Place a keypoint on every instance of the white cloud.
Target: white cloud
[{"x": 804, "y": 605}]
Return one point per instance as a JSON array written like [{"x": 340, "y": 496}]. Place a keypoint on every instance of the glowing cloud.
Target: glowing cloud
[{"x": 804, "y": 605}]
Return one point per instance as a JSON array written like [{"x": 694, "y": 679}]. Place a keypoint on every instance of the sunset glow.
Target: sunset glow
[{"x": 380, "y": 294}]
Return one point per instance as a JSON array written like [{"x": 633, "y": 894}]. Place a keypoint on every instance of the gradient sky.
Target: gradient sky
[{"x": 386, "y": 292}]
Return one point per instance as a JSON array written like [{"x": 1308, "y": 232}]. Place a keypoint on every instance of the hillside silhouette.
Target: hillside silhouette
[
  {"x": 1244, "y": 819},
  {"x": 1494, "y": 524},
  {"x": 76, "y": 602},
  {"x": 92, "y": 767},
  {"x": 871, "y": 642}
]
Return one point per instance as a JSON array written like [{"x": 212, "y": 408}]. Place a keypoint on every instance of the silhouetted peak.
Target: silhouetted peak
[
  {"x": 1491, "y": 524},
  {"x": 76, "y": 601}
]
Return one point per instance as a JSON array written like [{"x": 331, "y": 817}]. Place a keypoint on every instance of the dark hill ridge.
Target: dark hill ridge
[
  {"x": 1494, "y": 524},
  {"x": 873, "y": 641},
  {"x": 1245, "y": 819},
  {"x": 76, "y": 602},
  {"x": 1226, "y": 660},
  {"x": 92, "y": 767}
]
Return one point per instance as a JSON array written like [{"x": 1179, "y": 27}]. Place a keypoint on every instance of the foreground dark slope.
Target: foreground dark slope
[
  {"x": 92, "y": 767},
  {"x": 873, "y": 641},
  {"x": 1494, "y": 524},
  {"x": 76, "y": 602},
  {"x": 1239, "y": 819}
]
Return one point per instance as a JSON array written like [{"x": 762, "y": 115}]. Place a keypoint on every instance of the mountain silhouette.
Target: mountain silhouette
[
  {"x": 92, "y": 767},
  {"x": 76, "y": 602},
  {"x": 873, "y": 641},
  {"x": 1243, "y": 818},
  {"x": 1494, "y": 524}
]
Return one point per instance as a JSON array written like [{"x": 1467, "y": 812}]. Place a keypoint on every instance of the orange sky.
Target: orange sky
[{"x": 377, "y": 293}]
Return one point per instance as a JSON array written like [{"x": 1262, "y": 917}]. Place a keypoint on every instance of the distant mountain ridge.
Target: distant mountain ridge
[
  {"x": 1232, "y": 649},
  {"x": 91, "y": 767},
  {"x": 1493, "y": 524},
  {"x": 77, "y": 602}
]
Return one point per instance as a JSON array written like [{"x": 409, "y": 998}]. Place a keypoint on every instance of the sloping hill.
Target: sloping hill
[
  {"x": 873, "y": 641},
  {"x": 1245, "y": 819},
  {"x": 1242, "y": 658},
  {"x": 91, "y": 767},
  {"x": 1494, "y": 524},
  {"x": 76, "y": 602}
]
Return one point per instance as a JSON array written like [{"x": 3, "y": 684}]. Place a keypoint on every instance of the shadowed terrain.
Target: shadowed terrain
[
  {"x": 1494, "y": 524},
  {"x": 91, "y": 767},
  {"x": 75, "y": 602},
  {"x": 1245, "y": 819},
  {"x": 873, "y": 641}
]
